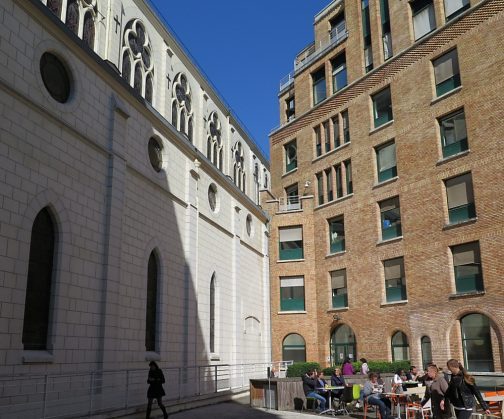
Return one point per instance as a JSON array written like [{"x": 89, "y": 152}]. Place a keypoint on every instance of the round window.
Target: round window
[
  {"x": 155, "y": 154},
  {"x": 55, "y": 77},
  {"x": 248, "y": 224},
  {"x": 212, "y": 197}
]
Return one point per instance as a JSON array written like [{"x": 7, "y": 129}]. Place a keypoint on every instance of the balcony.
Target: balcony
[{"x": 291, "y": 203}]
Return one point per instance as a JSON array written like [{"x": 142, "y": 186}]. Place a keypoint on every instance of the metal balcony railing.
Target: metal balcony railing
[
  {"x": 287, "y": 80},
  {"x": 291, "y": 203}
]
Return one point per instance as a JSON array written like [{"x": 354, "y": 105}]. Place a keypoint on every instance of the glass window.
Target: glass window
[
  {"x": 329, "y": 185},
  {"x": 368, "y": 58},
  {"x": 395, "y": 284},
  {"x": 477, "y": 343},
  {"x": 291, "y": 243},
  {"x": 320, "y": 188},
  {"x": 290, "y": 156},
  {"x": 382, "y": 107},
  {"x": 212, "y": 197},
  {"x": 151, "y": 309},
  {"x": 342, "y": 344},
  {"x": 455, "y": 7},
  {"x": 212, "y": 314},
  {"x": 424, "y": 20},
  {"x": 339, "y": 181},
  {"x": 336, "y": 132},
  {"x": 290, "y": 108},
  {"x": 426, "y": 346},
  {"x": 386, "y": 35},
  {"x": 39, "y": 283},
  {"x": 400, "y": 347},
  {"x": 318, "y": 141},
  {"x": 339, "y": 289},
  {"x": 155, "y": 154},
  {"x": 390, "y": 218},
  {"x": 366, "y": 33},
  {"x": 327, "y": 136},
  {"x": 446, "y": 72},
  {"x": 248, "y": 225},
  {"x": 386, "y": 161},
  {"x": 292, "y": 193},
  {"x": 319, "y": 86},
  {"x": 346, "y": 126},
  {"x": 348, "y": 174},
  {"x": 55, "y": 77},
  {"x": 467, "y": 267},
  {"x": 459, "y": 192},
  {"x": 336, "y": 235},
  {"x": 294, "y": 348},
  {"x": 292, "y": 293},
  {"x": 453, "y": 133},
  {"x": 339, "y": 72}
]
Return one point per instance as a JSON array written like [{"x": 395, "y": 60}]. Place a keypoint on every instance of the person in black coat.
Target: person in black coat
[
  {"x": 156, "y": 380},
  {"x": 337, "y": 380}
]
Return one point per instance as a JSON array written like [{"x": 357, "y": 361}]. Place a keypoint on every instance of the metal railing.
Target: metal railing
[
  {"x": 92, "y": 393},
  {"x": 287, "y": 80},
  {"x": 290, "y": 203}
]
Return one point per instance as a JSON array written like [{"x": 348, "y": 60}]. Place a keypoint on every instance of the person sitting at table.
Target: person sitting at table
[
  {"x": 372, "y": 393},
  {"x": 436, "y": 393},
  {"x": 412, "y": 374},
  {"x": 397, "y": 382},
  {"x": 322, "y": 384},
  {"x": 310, "y": 384},
  {"x": 337, "y": 380}
]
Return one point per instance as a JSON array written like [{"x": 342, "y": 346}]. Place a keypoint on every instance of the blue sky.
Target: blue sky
[{"x": 245, "y": 48}]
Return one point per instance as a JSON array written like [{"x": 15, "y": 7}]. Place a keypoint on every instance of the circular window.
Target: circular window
[
  {"x": 248, "y": 224},
  {"x": 212, "y": 197},
  {"x": 156, "y": 154},
  {"x": 55, "y": 77}
]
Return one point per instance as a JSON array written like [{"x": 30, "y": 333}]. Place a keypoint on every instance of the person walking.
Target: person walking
[
  {"x": 347, "y": 367},
  {"x": 155, "y": 380},
  {"x": 364, "y": 366},
  {"x": 462, "y": 390},
  {"x": 436, "y": 393}
]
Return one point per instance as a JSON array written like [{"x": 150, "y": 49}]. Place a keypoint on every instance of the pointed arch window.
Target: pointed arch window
[
  {"x": 400, "y": 347},
  {"x": 182, "y": 113},
  {"x": 212, "y": 314},
  {"x": 214, "y": 140},
  {"x": 136, "y": 53},
  {"x": 239, "y": 166},
  {"x": 152, "y": 299},
  {"x": 54, "y": 6},
  {"x": 88, "y": 31},
  {"x": 72, "y": 16},
  {"x": 39, "y": 283}
]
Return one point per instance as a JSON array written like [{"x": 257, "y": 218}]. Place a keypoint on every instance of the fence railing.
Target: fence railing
[
  {"x": 92, "y": 393},
  {"x": 290, "y": 203}
]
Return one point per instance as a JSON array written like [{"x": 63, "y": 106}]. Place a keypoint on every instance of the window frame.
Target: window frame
[
  {"x": 416, "y": 10},
  {"x": 473, "y": 283},
  {"x": 339, "y": 299},
  {"x": 339, "y": 71},
  {"x": 451, "y": 83},
  {"x": 292, "y": 164},
  {"x": 391, "y": 172},
  {"x": 318, "y": 78},
  {"x": 338, "y": 244},
  {"x": 455, "y": 147},
  {"x": 394, "y": 230},
  {"x": 386, "y": 115},
  {"x": 296, "y": 249},
  {"x": 466, "y": 211},
  {"x": 398, "y": 292},
  {"x": 293, "y": 302}
]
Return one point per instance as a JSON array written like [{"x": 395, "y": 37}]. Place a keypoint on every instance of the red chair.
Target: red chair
[{"x": 366, "y": 406}]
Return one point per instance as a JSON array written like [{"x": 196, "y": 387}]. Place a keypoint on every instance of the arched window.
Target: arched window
[
  {"x": 88, "y": 32},
  {"x": 72, "y": 16},
  {"x": 212, "y": 314},
  {"x": 239, "y": 166},
  {"x": 209, "y": 149},
  {"x": 190, "y": 130},
  {"x": 136, "y": 53},
  {"x": 343, "y": 344},
  {"x": 152, "y": 298},
  {"x": 174, "y": 114},
  {"x": 214, "y": 139},
  {"x": 426, "y": 346},
  {"x": 54, "y": 6},
  {"x": 265, "y": 179},
  {"x": 477, "y": 343},
  {"x": 38, "y": 287},
  {"x": 400, "y": 347},
  {"x": 182, "y": 102},
  {"x": 294, "y": 348}
]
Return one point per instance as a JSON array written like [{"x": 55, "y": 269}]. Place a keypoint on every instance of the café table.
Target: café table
[
  {"x": 329, "y": 410},
  {"x": 499, "y": 399},
  {"x": 395, "y": 398}
]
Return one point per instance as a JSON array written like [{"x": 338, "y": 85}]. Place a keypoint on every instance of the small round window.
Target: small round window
[
  {"x": 212, "y": 197},
  {"x": 248, "y": 224},
  {"x": 156, "y": 154},
  {"x": 55, "y": 77}
]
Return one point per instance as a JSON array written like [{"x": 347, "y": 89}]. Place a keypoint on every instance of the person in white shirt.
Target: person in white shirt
[
  {"x": 398, "y": 381},
  {"x": 364, "y": 366}
]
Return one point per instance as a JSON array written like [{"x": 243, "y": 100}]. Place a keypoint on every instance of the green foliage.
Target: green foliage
[
  {"x": 298, "y": 369},
  {"x": 376, "y": 366}
]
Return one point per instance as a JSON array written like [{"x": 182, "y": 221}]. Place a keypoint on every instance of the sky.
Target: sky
[{"x": 244, "y": 49}]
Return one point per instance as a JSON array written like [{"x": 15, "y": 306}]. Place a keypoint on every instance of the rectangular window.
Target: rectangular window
[
  {"x": 348, "y": 173},
  {"x": 336, "y": 235},
  {"x": 339, "y": 72},
  {"x": 386, "y": 161},
  {"x": 346, "y": 127},
  {"x": 453, "y": 133},
  {"x": 292, "y": 293},
  {"x": 446, "y": 72},
  {"x": 338, "y": 27},
  {"x": 290, "y": 108},
  {"x": 382, "y": 107},
  {"x": 339, "y": 181},
  {"x": 336, "y": 132},
  {"x": 424, "y": 20},
  {"x": 386, "y": 35},
  {"x": 290, "y": 156},
  {"x": 329, "y": 185},
  {"x": 339, "y": 289},
  {"x": 318, "y": 141},
  {"x": 292, "y": 194},
  {"x": 455, "y": 7},
  {"x": 291, "y": 243},
  {"x": 327, "y": 136},
  {"x": 390, "y": 215},
  {"x": 368, "y": 58},
  {"x": 467, "y": 266},
  {"x": 459, "y": 192},
  {"x": 395, "y": 284},
  {"x": 319, "y": 86},
  {"x": 320, "y": 188}
]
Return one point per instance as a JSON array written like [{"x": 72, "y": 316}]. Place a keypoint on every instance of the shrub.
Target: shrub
[
  {"x": 375, "y": 366},
  {"x": 298, "y": 369}
]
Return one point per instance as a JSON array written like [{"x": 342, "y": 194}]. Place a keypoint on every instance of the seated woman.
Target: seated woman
[
  {"x": 337, "y": 380},
  {"x": 397, "y": 382},
  {"x": 372, "y": 392}
]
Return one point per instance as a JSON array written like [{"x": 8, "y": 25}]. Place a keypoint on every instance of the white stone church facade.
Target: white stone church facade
[{"x": 130, "y": 228}]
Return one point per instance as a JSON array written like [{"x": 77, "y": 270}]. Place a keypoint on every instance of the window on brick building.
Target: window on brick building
[
  {"x": 453, "y": 132},
  {"x": 386, "y": 161},
  {"x": 386, "y": 35},
  {"x": 152, "y": 303},
  {"x": 467, "y": 268},
  {"x": 348, "y": 176},
  {"x": 446, "y": 72},
  {"x": 329, "y": 185},
  {"x": 291, "y": 243},
  {"x": 424, "y": 19},
  {"x": 336, "y": 133},
  {"x": 292, "y": 197},
  {"x": 339, "y": 72},
  {"x": 290, "y": 108},
  {"x": 292, "y": 297},
  {"x": 339, "y": 180},
  {"x": 382, "y": 107},
  {"x": 460, "y": 196},
  {"x": 400, "y": 347},
  {"x": 327, "y": 136},
  {"x": 290, "y": 156},
  {"x": 342, "y": 344},
  {"x": 366, "y": 34},
  {"x": 455, "y": 7},
  {"x": 477, "y": 343},
  {"x": 39, "y": 282},
  {"x": 346, "y": 127},
  {"x": 318, "y": 141},
  {"x": 390, "y": 215},
  {"x": 336, "y": 234},
  {"x": 426, "y": 347},
  {"x": 319, "y": 86},
  {"x": 395, "y": 283},
  {"x": 320, "y": 187},
  {"x": 294, "y": 348},
  {"x": 339, "y": 292}
]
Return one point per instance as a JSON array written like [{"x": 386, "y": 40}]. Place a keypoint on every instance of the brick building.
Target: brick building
[{"x": 387, "y": 174}]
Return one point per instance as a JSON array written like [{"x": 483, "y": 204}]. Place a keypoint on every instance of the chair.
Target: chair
[
  {"x": 345, "y": 399},
  {"x": 311, "y": 403},
  {"x": 415, "y": 408},
  {"x": 367, "y": 406}
]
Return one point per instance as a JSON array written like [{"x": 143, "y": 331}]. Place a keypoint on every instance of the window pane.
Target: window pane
[
  {"x": 454, "y": 6},
  {"x": 424, "y": 21},
  {"x": 336, "y": 235},
  {"x": 338, "y": 279},
  {"x": 382, "y": 107},
  {"x": 446, "y": 66},
  {"x": 291, "y": 234},
  {"x": 151, "y": 309},
  {"x": 477, "y": 343},
  {"x": 459, "y": 191}
]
